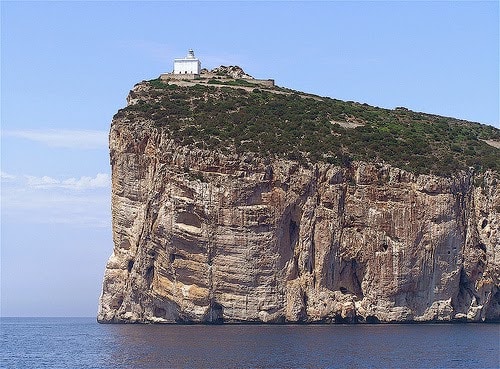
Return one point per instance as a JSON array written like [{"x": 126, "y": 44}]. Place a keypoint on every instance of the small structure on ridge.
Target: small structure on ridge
[
  {"x": 188, "y": 65},
  {"x": 189, "y": 69}
]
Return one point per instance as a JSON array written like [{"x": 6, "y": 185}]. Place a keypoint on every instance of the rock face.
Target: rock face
[
  {"x": 204, "y": 237},
  {"x": 232, "y": 71}
]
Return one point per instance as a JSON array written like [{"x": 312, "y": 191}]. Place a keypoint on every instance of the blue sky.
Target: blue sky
[{"x": 66, "y": 68}]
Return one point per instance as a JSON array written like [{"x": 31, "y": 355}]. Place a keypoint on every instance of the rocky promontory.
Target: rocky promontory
[{"x": 215, "y": 220}]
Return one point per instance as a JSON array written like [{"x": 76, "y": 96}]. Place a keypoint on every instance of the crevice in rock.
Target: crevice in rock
[
  {"x": 347, "y": 277},
  {"x": 465, "y": 293},
  {"x": 215, "y": 314},
  {"x": 484, "y": 223},
  {"x": 159, "y": 312},
  {"x": 149, "y": 273},
  {"x": 172, "y": 257},
  {"x": 268, "y": 175},
  {"x": 339, "y": 319},
  {"x": 130, "y": 265},
  {"x": 293, "y": 231},
  {"x": 189, "y": 219},
  {"x": 312, "y": 258},
  {"x": 305, "y": 299},
  {"x": 117, "y": 303},
  {"x": 372, "y": 319},
  {"x": 288, "y": 233}
]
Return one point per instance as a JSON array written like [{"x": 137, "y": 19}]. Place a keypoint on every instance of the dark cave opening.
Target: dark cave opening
[
  {"x": 484, "y": 223},
  {"x": 150, "y": 272},
  {"x": 371, "y": 319},
  {"x": 293, "y": 231},
  {"x": 130, "y": 265}
]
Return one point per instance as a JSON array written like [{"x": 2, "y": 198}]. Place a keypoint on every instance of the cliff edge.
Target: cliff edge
[{"x": 210, "y": 227}]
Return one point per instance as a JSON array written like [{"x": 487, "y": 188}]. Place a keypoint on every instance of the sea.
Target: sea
[{"x": 83, "y": 343}]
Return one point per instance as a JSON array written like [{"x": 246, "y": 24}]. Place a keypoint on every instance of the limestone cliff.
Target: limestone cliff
[{"x": 207, "y": 236}]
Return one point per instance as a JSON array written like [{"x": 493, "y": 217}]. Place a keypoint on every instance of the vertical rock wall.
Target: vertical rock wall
[{"x": 203, "y": 237}]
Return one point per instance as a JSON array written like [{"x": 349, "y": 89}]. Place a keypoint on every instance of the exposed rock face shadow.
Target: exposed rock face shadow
[{"x": 215, "y": 314}]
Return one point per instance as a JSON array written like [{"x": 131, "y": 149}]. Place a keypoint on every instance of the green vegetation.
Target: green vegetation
[
  {"x": 232, "y": 82},
  {"x": 304, "y": 128}
]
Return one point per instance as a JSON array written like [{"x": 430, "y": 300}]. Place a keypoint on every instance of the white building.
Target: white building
[{"x": 187, "y": 65}]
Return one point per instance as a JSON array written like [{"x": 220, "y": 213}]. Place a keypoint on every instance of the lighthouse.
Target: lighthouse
[{"x": 188, "y": 65}]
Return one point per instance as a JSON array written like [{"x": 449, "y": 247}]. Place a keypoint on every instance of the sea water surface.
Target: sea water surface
[{"x": 83, "y": 343}]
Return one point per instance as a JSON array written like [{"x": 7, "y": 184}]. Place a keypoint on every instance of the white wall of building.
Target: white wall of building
[{"x": 189, "y": 66}]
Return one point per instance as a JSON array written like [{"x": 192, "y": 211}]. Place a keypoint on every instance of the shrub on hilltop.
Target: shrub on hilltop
[{"x": 310, "y": 129}]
